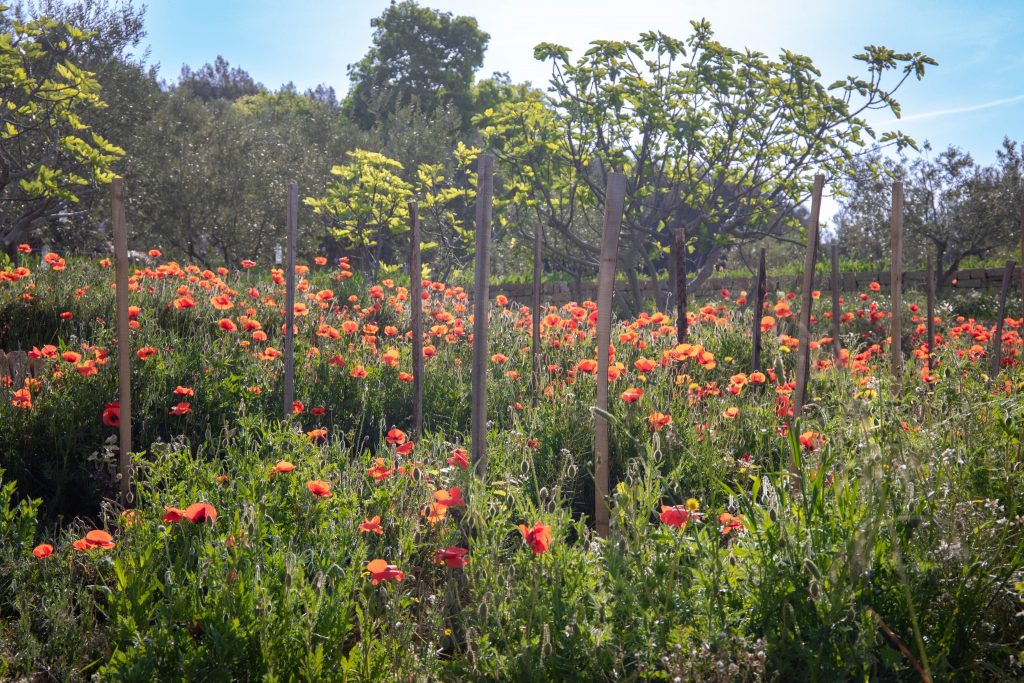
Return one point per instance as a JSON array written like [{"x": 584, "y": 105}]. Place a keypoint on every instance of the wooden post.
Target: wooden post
[
  {"x": 614, "y": 201},
  {"x": 538, "y": 238},
  {"x": 930, "y": 289},
  {"x": 416, "y": 317},
  {"x": 124, "y": 354},
  {"x": 1022, "y": 249},
  {"x": 837, "y": 311},
  {"x": 481, "y": 305},
  {"x": 997, "y": 338},
  {"x": 803, "y": 355},
  {"x": 289, "y": 302},
  {"x": 896, "y": 280},
  {"x": 679, "y": 248},
  {"x": 759, "y": 293}
]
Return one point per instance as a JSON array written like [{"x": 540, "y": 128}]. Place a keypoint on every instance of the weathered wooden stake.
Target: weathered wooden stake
[
  {"x": 759, "y": 293},
  {"x": 1022, "y": 252},
  {"x": 416, "y": 317},
  {"x": 930, "y": 291},
  {"x": 837, "y": 311},
  {"x": 538, "y": 267},
  {"x": 803, "y": 356},
  {"x": 289, "y": 302},
  {"x": 481, "y": 305},
  {"x": 614, "y": 201},
  {"x": 679, "y": 249},
  {"x": 896, "y": 280},
  {"x": 997, "y": 338},
  {"x": 124, "y": 355}
]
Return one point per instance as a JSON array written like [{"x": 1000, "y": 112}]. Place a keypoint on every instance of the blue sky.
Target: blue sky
[{"x": 972, "y": 99}]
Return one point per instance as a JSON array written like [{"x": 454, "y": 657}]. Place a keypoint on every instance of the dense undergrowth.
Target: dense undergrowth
[{"x": 875, "y": 537}]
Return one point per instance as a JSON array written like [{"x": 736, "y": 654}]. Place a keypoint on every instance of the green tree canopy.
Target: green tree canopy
[
  {"x": 49, "y": 153},
  {"x": 954, "y": 208},
  {"x": 418, "y": 55},
  {"x": 719, "y": 141}
]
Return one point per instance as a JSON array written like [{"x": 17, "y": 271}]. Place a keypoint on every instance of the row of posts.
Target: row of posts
[{"x": 613, "y": 213}]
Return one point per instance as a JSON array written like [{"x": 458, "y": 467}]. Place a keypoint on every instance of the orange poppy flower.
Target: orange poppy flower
[
  {"x": 452, "y": 556},
  {"x": 317, "y": 434},
  {"x": 538, "y": 537},
  {"x": 380, "y": 570},
  {"x": 451, "y": 498},
  {"x": 811, "y": 440},
  {"x": 22, "y": 399},
  {"x": 645, "y": 365},
  {"x": 632, "y": 395},
  {"x": 379, "y": 471},
  {"x": 145, "y": 352},
  {"x": 371, "y": 525},
  {"x": 283, "y": 466},
  {"x": 198, "y": 513},
  {"x": 358, "y": 372},
  {"x": 227, "y": 325},
  {"x": 396, "y": 436},
  {"x": 320, "y": 489},
  {"x": 435, "y": 512},
  {"x": 221, "y": 302},
  {"x": 730, "y": 523},
  {"x": 43, "y": 550},
  {"x": 71, "y": 357},
  {"x": 656, "y": 421},
  {"x": 731, "y": 413}
]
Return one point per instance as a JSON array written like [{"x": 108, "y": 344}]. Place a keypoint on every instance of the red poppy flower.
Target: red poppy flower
[
  {"x": 112, "y": 414},
  {"x": 406, "y": 448},
  {"x": 452, "y": 556},
  {"x": 320, "y": 489},
  {"x": 94, "y": 539},
  {"x": 458, "y": 458},
  {"x": 380, "y": 570},
  {"x": 397, "y": 436},
  {"x": 24, "y": 249},
  {"x": 183, "y": 391},
  {"x": 71, "y": 357},
  {"x": 371, "y": 525},
  {"x": 538, "y": 537},
  {"x": 197, "y": 513},
  {"x": 145, "y": 352},
  {"x": 676, "y": 515},
  {"x": 183, "y": 408},
  {"x": 173, "y": 515},
  {"x": 227, "y": 325},
  {"x": 43, "y": 550},
  {"x": 246, "y": 263}
]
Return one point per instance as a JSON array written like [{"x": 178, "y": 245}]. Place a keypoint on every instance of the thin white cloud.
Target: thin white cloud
[{"x": 958, "y": 110}]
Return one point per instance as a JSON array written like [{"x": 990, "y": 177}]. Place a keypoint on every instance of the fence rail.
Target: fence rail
[{"x": 565, "y": 291}]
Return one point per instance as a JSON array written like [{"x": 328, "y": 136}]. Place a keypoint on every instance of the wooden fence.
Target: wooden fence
[{"x": 565, "y": 291}]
